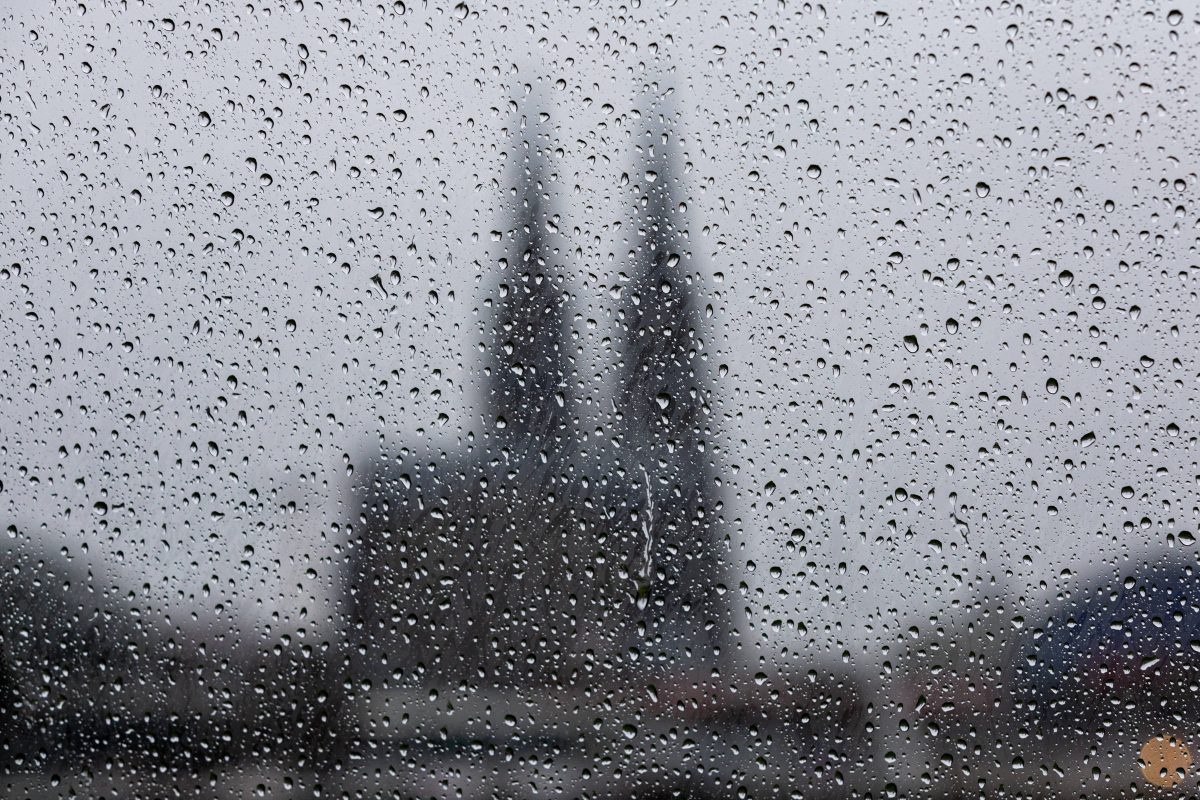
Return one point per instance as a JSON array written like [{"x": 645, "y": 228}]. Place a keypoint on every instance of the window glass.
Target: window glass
[{"x": 644, "y": 400}]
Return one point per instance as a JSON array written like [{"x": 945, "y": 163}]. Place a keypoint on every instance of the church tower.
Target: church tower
[
  {"x": 527, "y": 365},
  {"x": 664, "y": 402}
]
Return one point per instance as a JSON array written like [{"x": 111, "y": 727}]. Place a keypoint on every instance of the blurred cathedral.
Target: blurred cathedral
[{"x": 564, "y": 543}]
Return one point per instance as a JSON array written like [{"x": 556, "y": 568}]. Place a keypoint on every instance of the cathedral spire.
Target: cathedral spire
[
  {"x": 664, "y": 402},
  {"x": 527, "y": 363},
  {"x": 662, "y": 394}
]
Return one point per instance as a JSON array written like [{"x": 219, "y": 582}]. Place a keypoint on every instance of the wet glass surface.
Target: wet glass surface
[{"x": 784, "y": 400}]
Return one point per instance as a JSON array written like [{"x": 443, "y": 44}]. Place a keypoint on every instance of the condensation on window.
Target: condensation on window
[{"x": 773, "y": 400}]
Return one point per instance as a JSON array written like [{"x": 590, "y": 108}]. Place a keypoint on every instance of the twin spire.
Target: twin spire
[
  {"x": 530, "y": 362},
  {"x": 660, "y": 474}
]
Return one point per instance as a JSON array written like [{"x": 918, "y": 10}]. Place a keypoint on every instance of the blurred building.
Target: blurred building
[{"x": 538, "y": 556}]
